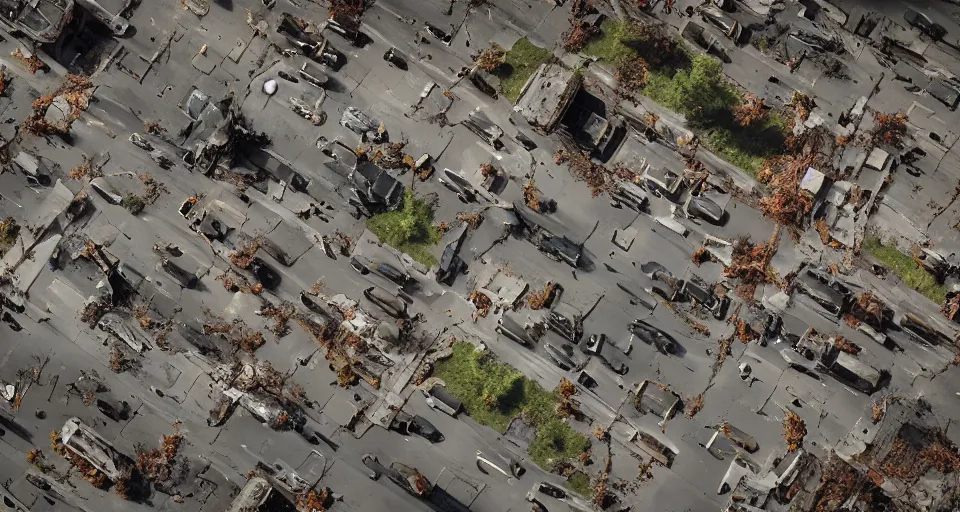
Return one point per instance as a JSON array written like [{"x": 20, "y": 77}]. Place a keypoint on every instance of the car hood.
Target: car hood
[{"x": 706, "y": 207}]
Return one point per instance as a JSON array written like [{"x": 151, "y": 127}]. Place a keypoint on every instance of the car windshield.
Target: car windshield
[
  {"x": 34, "y": 20},
  {"x": 460, "y": 180}
]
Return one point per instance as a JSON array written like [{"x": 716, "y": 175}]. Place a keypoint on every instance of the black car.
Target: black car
[
  {"x": 700, "y": 207},
  {"x": 615, "y": 365},
  {"x": 631, "y": 195},
  {"x": 394, "y": 57},
  {"x": 265, "y": 275},
  {"x": 392, "y": 273},
  {"x": 511, "y": 330},
  {"x": 653, "y": 336},
  {"x": 924, "y": 24},
  {"x": 388, "y": 303},
  {"x": 560, "y": 248},
  {"x": 459, "y": 185},
  {"x": 185, "y": 279},
  {"x": 559, "y": 358},
  {"x": 360, "y": 264},
  {"x": 407, "y": 425}
]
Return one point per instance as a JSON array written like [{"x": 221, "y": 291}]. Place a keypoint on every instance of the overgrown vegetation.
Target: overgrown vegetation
[
  {"x": 9, "y": 232},
  {"x": 521, "y": 61},
  {"x": 134, "y": 204},
  {"x": 494, "y": 393},
  {"x": 904, "y": 266},
  {"x": 649, "y": 61},
  {"x": 409, "y": 229},
  {"x": 579, "y": 482}
]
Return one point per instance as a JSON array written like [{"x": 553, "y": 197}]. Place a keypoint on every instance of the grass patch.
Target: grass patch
[
  {"x": 520, "y": 62},
  {"x": 611, "y": 45},
  {"x": 409, "y": 230},
  {"x": 747, "y": 147},
  {"x": 693, "y": 86},
  {"x": 493, "y": 393},
  {"x": 579, "y": 482},
  {"x": 906, "y": 269}
]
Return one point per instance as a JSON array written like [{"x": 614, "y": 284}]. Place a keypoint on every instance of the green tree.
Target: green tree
[{"x": 701, "y": 93}]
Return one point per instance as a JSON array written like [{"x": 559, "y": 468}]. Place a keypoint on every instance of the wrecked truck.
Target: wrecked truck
[{"x": 40, "y": 20}]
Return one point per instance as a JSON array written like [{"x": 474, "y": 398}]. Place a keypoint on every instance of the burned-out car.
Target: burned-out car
[
  {"x": 662, "y": 182},
  {"x": 656, "y": 399},
  {"x": 924, "y": 24},
  {"x": 360, "y": 123},
  {"x": 697, "y": 290},
  {"x": 814, "y": 354},
  {"x": 407, "y": 425},
  {"x": 559, "y": 358},
  {"x": 374, "y": 191},
  {"x": 442, "y": 400},
  {"x": 559, "y": 248},
  {"x": 631, "y": 195},
  {"x": 650, "y": 335},
  {"x": 478, "y": 123},
  {"x": 723, "y": 21},
  {"x": 566, "y": 321},
  {"x": 728, "y": 441},
  {"x": 40, "y": 20},
  {"x": 305, "y": 36},
  {"x": 459, "y": 185},
  {"x": 388, "y": 303},
  {"x": 510, "y": 329},
  {"x": 664, "y": 284},
  {"x": 700, "y": 207},
  {"x": 830, "y": 293}
]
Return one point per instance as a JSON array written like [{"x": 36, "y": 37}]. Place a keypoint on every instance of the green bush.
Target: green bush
[
  {"x": 519, "y": 63},
  {"x": 701, "y": 92},
  {"x": 904, "y": 266},
  {"x": 134, "y": 204},
  {"x": 579, "y": 482},
  {"x": 409, "y": 230},
  {"x": 493, "y": 393}
]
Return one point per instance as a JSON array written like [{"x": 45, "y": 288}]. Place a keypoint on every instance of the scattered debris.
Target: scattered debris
[
  {"x": 888, "y": 129},
  {"x": 471, "y": 219},
  {"x": 482, "y": 303},
  {"x": 541, "y": 299},
  {"x": 593, "y": 174},
  {"x": 32, "y": 63},
  {"x": 242, "y": 258},
  {"x": 845, "y": 345},
  {"x": 491, "y": 58},
  {"x": 531, "y": 196},
  {"x": 694, "y": 405},
  {"x": 751, "y": 111},
  {"x": 794, "y": 430},
  {"x": 75, "y": 91}
]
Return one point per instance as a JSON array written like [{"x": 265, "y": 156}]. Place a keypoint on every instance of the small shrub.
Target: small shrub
[{"x": 134, "y": 204}]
